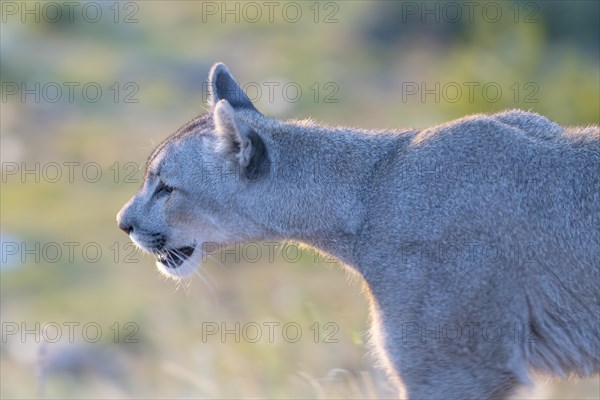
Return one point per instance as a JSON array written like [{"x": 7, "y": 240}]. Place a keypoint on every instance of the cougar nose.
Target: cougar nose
[
  {"x": 124, "y": 220},
  {"x": 125, "y": 228}
]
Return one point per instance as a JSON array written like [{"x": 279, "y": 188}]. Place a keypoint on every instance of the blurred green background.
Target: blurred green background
[{"x": 70, "y": 159}]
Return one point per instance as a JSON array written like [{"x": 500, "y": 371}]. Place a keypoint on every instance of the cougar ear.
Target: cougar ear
[
  {"x": 224, "y": 87},
  {"x": 240, "y": 142}
]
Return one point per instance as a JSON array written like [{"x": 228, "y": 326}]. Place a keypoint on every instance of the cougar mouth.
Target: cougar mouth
[{"x": 173, "y": 258}]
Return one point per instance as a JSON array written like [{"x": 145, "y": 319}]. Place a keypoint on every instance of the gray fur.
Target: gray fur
[{"x": 488, "y": 226}]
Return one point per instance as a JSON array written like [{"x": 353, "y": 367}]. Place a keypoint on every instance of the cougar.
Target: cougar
[{"x": 478, "y": 240}]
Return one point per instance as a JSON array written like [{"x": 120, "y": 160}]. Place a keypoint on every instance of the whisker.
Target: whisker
[
  {"x": 210, "y": 288},
  {"x": 210, "y": 278}
]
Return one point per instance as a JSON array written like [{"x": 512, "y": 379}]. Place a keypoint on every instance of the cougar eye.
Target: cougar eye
[{"x": 163, "y": 189}]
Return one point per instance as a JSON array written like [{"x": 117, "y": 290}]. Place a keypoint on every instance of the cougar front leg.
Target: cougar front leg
[{"x": 434, "y": 363}]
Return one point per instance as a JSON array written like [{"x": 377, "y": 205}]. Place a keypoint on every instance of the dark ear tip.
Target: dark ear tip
[
  {"x": 222, "y": 85},
  {"x": 216, "y": 70}
]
